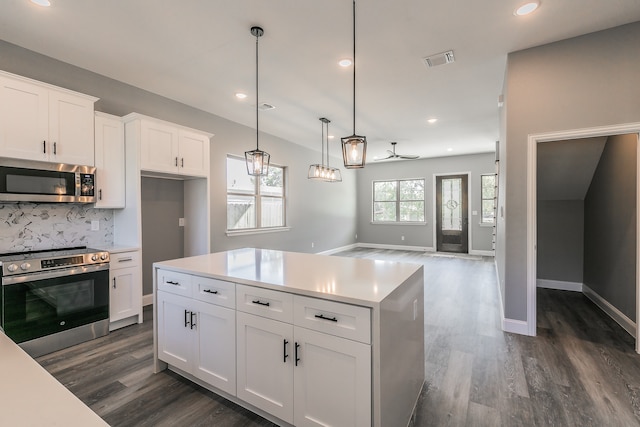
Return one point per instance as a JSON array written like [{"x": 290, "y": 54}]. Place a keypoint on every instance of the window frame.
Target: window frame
[
  {"x": 398, "y": 202},
  {"x": 483, "y": 198},
  {"x": 258, "y": 196}
]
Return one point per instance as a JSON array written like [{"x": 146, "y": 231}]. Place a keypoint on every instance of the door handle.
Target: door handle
[
  {"x": 44, "y": 147},
  {"x": 192, "y": 316},
  {"x": 100, "y": 194},
  {"x": 284, "y": 352},
  {"x": 186, "y": 322},
  {"x": 297, "y": 346},
  {"x": 55, "y": 151},
  {"x": 114, "y": 283}
]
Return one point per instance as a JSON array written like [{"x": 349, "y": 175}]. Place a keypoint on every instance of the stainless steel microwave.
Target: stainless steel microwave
[{"x": 34, "y": 181}]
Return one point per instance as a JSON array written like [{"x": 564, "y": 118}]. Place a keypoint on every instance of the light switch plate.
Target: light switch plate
[{"x": 95, "y": 225}]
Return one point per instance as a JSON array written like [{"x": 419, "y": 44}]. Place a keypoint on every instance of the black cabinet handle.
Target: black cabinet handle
[
  {"x": 209, "y": 291},
  {"x": 284, "y": 345},
  {"x": 266, "y": 304},
  {"x": 44, "y": 147},
  {"x": 100, "y": 194},
  {"x": 176, "y": 161},
  {"x": 173, "y": 283},
  {"x": 186, "y": 322},
  {"x": 297, "y": 346},
  {"x": 182, "y": 161},
  {"x": 114, "y": 283},
  {"x": 193, "y": 324},
  {"x": 323, "y": 317},
  {"x": 55, "y": 151}
]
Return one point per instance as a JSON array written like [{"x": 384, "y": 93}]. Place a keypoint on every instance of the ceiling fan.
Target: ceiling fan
[{"x": 393, "y": 155}]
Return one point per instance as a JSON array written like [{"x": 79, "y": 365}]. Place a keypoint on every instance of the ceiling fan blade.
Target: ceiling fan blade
[
  {"x": 383, "y": 158},
  {"x": 409, "y": 157},
  {"x": 391, "y": 153}
]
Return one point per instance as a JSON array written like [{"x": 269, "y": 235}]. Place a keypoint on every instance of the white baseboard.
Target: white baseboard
[
  {"x": 559, "y": 285},
  {"x": 340, "y": 249},
  {"x": 397, "y": 247},
  {"x": 481, "y": 253},
  {"x": 147, "y": 299},
  {"x": 619, "y": 317},
  {"x": 515, "y": 326}
]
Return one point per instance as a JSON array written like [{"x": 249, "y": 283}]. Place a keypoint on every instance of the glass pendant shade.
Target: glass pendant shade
[
  {"x": 354, "y": 151},
  {"x": 257, "y": 162},
  {"x": 320, "y": 172}
]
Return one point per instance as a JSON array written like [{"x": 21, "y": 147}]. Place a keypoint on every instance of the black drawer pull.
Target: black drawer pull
[
  {"x": 266, "y": 304},
  {"x": 209, "y": 291},
  {"x": 173, "y": 283},
  {"x": 186, "y": 322},
  {"x": 323, "y": 317},
  {"x": 284, "y": 345},
  {"x": 297, "y": 346},
  {"x": 192, "y": 315}
]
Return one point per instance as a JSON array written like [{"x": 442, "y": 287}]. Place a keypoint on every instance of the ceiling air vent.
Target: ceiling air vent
[
  {"x": 264, "y": 106},
  {"x": 439, "y": 59}
]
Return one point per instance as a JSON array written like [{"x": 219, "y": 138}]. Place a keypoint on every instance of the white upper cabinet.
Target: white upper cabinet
[
  {"x": 173, "y": 149},
  {"x": 46, "y": 123},
  {"x": 110, "y": 161}
]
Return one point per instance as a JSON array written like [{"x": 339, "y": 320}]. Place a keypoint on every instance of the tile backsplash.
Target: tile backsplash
[{"x": 33, "y": 226}]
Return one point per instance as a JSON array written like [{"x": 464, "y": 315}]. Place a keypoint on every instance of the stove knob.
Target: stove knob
[
  {"x": 25, "y": 266},
  {"x": 103, "y": 256},
  {"x": 12, "y": 267},
  {"x": 94, "y": 257}
]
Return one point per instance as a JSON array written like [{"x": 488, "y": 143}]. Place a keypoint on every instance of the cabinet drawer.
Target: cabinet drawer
[
  {"x": 173, "y": 282},
  {"x": 265, "y": 302},
  {"x": 214, "y": 291},
  {"x": 335, "y": 318},
  {"x": 124, "y": 259}
]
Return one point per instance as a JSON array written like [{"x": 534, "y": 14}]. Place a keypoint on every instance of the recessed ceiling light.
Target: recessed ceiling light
[
  {"x": 45, "y": 3},
  {"x": 346, "y": 62},
  {"x": 330, "y": 137},
  {"x": 432, "y": 120},
  {"x": 449, "y": 149},
  {"x": 526, "y": 8},
  {"x": 241, "y": 95}
]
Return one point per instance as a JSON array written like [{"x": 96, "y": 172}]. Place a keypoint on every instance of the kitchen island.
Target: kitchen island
[{"x": 300, "y": 339}]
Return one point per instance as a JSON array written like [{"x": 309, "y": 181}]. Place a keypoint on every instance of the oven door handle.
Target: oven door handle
[{"x": 11, "y": 280}]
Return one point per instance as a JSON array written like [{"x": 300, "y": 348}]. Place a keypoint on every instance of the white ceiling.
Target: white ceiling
[{"x": 200, "y": 52}]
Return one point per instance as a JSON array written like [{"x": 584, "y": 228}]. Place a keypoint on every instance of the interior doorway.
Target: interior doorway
[
  {"x": 452, "y": 214},
  {"x": 532, "y": 209}
]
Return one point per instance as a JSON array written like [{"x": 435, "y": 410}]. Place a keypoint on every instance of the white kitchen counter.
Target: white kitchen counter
[
  {"x": 30, "y": 396},
  {"x": 352, "y": 280}
]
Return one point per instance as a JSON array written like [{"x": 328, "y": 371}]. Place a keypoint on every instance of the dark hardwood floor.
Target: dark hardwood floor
[{"x": 581, "y": 369}]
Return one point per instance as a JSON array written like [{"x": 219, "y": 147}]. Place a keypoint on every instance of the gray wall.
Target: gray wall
[
  {"x": 422, "y": 235},
  {"x": 610, "y": 226},
  {"x": 572, "y": 84},
  {"x": 560, "y": 240},
  {"x": 318, "y": 212},
  {"x": 162, "y": 238}
]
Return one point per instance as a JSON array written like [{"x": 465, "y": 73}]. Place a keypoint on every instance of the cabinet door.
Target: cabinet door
[
  {"x": 123, "y": 298},
  {"x": 193, "y": 150},
  {"x": 110, "y": 174},
  {"x": 215, "y": 347},
  {"x": 158, "y": 147},
  {"x": 332, "y": 381},
  {"x": 175, "y": 335},
  {"x": 71, "y": 133},
  {"x": 265, "y": 364},
  {"x": 24, "y": 115}
]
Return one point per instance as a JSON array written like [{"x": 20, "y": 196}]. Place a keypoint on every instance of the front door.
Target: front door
[{"x": 451, "y": 214}]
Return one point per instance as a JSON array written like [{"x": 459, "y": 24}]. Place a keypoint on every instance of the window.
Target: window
[
  {"x": 488, "y": 193},
  {"x": 399, "y": 201},
  {"x": 254, "y": 202}
]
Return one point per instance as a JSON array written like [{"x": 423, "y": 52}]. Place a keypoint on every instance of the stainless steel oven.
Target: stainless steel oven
[{"x": 54, "y": 299}]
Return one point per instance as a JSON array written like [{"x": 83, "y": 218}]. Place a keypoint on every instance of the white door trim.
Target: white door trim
[
  {"x": 532, "y": 161},
  {"x": 469, "y": 234}
]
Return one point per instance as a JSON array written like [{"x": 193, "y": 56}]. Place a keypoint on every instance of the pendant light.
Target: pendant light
[
  {"x": 354, "y": 147},
  {"x": 320, "y": 172},
  {"x": 257, "y": 160}
]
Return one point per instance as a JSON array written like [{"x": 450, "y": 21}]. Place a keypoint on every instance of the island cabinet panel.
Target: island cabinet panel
[
  {"x": 174, "y": 338},
  {"x": 265, "y": 364}
]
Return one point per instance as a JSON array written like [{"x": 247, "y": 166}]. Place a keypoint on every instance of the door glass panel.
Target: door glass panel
[{"x": 452, "y": 204}]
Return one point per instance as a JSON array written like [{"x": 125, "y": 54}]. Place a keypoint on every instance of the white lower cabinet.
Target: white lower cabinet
[
  {"x": 198, "y": 338},
  {"x": 125, "y": 291}
]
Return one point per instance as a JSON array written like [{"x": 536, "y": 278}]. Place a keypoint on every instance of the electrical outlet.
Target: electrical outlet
[
  {"x": 180, "y": 222},
  {"x": 313, "y": 244},
  {"x": 95, "y": 225},
  {"x": 474, "y": 212},
  {"x": 402, "y": 238}
]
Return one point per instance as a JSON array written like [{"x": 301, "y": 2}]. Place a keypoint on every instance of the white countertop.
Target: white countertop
[
  {"x": 114, "y": 249},
  {"x": 30, "y": 396},
  {"x": 354, "y": 280}
]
